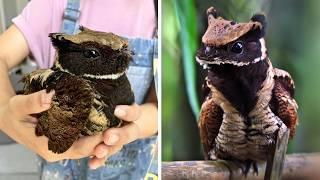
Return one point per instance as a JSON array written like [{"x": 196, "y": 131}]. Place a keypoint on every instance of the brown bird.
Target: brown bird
[
  {"x": 248, "y": 102},
  {"x": 89, "y": 80}
]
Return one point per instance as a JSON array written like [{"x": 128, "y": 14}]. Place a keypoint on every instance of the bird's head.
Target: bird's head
[
  {"x": 91, "y": 53},
  {"x": 228, "y": 42}
]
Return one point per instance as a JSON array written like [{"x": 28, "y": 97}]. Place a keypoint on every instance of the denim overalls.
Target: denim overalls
[{"x": 134, "y": 160}]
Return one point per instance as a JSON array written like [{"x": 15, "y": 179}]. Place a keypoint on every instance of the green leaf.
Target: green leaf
[{"x": 186, "y": 14}]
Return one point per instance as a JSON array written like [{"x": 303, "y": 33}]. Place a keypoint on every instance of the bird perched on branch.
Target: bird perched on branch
[
  {"x": 248, "y": 102},
  {"x": 89, "y": 80}
]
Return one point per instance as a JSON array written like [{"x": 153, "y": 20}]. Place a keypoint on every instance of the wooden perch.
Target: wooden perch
[{"x": 296, "y": 166}]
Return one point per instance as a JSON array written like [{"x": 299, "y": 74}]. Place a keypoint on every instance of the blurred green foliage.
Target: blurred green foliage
[
  {"x": 176, "y": 112},
  {"x": 188, "y": 37},
  {"x": 293, "y": 40}
]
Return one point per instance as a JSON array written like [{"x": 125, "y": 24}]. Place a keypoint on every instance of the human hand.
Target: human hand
[
  {"x": 15, "y": 121},
  {"x": 115, "y": 138}
]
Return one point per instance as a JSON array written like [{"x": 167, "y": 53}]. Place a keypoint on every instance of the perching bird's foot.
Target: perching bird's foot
[{"x": 246, "y": 166}]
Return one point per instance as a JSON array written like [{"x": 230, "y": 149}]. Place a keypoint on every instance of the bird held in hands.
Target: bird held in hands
[{"x": 89, "y": 80}]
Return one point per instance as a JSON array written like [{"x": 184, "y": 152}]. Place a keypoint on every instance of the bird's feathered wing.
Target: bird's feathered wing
[
  {"x": 63, "y": 122},
  {"x": 211, "y": 116},
  {"x": 283, "y": 103}
]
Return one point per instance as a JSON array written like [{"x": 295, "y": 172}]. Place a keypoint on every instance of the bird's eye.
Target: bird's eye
[
  {"x": 237, "y": 47},
  {"x": 91, "y": 54}
]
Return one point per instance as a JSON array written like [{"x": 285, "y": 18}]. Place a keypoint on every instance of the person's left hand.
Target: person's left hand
[{"x": 115, "y": 138}]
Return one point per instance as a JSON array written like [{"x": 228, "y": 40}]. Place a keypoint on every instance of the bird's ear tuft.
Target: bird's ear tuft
[
  {"x": 81, "y": 28},
  {"x": 260, "y": 18},
  {"x": 212, "y": 14}
]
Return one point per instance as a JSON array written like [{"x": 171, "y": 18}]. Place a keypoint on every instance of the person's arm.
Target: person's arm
[
  {"x": 13, "y": 49},
  {"x": 15, "y": 109},
  {"x": 143, "y": 123}
]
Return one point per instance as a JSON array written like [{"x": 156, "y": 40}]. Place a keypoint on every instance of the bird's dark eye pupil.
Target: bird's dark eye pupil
[
  {"x": 237, "y": 47},
  {"x": 91, "y": 54}
]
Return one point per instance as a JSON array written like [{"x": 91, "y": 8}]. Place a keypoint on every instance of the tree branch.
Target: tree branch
[{"x": 296, "y": 166}]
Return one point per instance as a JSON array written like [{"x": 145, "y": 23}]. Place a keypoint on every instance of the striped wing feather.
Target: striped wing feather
[
  {"x": 211, "y": 116},
  {"x": 283, "y": 103}
]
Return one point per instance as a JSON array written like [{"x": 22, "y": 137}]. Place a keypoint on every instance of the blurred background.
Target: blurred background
[{"x": 293, "y": 42}]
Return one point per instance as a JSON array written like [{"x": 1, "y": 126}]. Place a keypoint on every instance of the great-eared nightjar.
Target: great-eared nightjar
[
  {"x": 248, "y": 101},
  {"x": 89, "y": 80}
]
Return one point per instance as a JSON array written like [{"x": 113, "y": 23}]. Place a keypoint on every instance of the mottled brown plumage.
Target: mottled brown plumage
[
  {"x": 282, "y": 102},
  {"x": 89, "y": 81},
  {"x": 209, "y": 123},
  {"x": 248, "y": 102}
]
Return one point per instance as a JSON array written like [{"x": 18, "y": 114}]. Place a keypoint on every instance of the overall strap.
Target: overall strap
[
  {"x": 155, "y": 51},
  {"x": 70, "y": 25},
  {"x": 155, "y": 66},
  {"x": 71, "y": 15}
]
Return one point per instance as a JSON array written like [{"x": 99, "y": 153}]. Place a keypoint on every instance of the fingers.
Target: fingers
[
  {"x": 95, "y": 163},
  {"x": 114, "y": 139},
  {"x": 30, "y": 121},
  {"x": 101, "y": 150},
  {"x": 123, "y": 135},
  {"x": 127, "y": 133},
  {"x": 21, "y": 105},
  {"x": 84, "y": 146},
  {"x": 128, "y": 113},
  {"x": 98, "y": 161}
]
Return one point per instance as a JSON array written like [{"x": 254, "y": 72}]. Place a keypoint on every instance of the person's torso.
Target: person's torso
[{"x": 128, "y": 18}]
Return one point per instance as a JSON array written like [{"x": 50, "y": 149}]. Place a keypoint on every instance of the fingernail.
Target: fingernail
[
  {"x": 46, "y": 97},
  {"x": 120, "y": 112},
  {"x": 102, "y": 153},
  {"x": 31, "y": 119},
  {"x": 94, "y": 166},
  {"x": 113, "y": 139}
]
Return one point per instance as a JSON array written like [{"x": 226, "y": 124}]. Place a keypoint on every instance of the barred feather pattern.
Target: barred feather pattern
[{"x": 246, "y": 137}]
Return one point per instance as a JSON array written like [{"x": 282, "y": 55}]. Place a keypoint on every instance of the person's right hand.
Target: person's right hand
[{"x": 15, "y": 121}]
